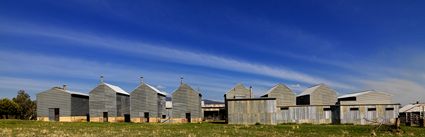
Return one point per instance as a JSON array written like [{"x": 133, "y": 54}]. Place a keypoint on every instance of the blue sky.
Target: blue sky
[{"x": 348, "y": 45}]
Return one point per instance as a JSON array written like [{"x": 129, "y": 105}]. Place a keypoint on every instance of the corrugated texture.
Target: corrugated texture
[
  {"x": 368, "y": 97},
  {"x": 284, "y": 96},
  {"x": 186, "y": 100},
  {"x": 305, "y": 114},
  {"x": 251, "y": 111},
  {"x": 368, "y": 114},
  {"x": 145, "y": 99},
  {"x": 59, "y": 98},
  {"x": 319, "y": 95},
  {"x": 79, "y": 105},
  {"x": 239, "y": 91},
  {"x": 104, "y": 99}
]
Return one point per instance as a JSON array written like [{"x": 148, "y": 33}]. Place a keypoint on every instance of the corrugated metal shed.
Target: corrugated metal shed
[
  {"x": 284, "y": 96},
  {"x": 147, "y": 104},
  {"x": 319, "y": 94},
  {"x": 108, "y": 103},
  {"x": 186, "y": 105},
  {"x": 367, "y": 107},
  {"x": 70, "y": 105}
]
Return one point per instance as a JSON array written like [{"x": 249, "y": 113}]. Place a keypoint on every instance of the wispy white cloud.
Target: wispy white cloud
[
  {"x": 213, "y": 86},
  {"x": 170, "y": 54}
]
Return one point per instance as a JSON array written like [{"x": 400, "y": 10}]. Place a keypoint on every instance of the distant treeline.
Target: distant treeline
[{"x": 20, "y": 107}]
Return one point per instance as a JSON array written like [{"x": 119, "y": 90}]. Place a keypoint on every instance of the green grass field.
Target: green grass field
[{"x": 35, "y": 128}]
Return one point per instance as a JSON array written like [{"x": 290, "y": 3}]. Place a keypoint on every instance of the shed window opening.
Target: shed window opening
[
  {"x": 371, "y": 109},
  {"x": 284, "y": 108},
  {"x": 348, "y": 99},
  {"x": 389, "y": 109},
  {"x": 326, "y": 109},
  {"x": 354, "y": 109}
]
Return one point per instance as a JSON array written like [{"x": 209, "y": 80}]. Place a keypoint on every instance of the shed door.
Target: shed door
[
  {"x": 188, "y": 117},
  {"x": 147, "y": 117},
  {"x": 126, "y": 117},
  {"x": 105, "y": 116},
  {"x": 53, "y": 114}
]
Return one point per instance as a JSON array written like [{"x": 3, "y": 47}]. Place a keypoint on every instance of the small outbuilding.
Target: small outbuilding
[
  {"x": 109, "y": 103},
  {"x": 147, "y": 104},
  {"x": 60, "y": 104},
  {"x": 186, "y": 105},
  {"x": 284, "y": 96},
  {"x": 412, "y": 114},
  {"x": 213, "y": 110},
  {"x": 366, "y": 107}
]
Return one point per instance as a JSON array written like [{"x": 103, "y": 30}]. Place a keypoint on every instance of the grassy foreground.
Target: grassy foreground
[{"x": 35, "y": 128}]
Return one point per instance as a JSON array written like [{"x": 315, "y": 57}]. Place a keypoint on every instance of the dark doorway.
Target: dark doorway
[
  {"x": 53, "y": 114},
  {"x": 88, "y": 117},
  {"x": 105, "y": 116},
  {"x": 126, "y": 117},
  {"x": 147, "y": 117},
  {"x": 188, "y": 117}
]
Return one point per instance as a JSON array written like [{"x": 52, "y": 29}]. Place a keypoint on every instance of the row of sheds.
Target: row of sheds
[
  {"x": 318, "y": 104},
  {"x": 110, "y": 103}
]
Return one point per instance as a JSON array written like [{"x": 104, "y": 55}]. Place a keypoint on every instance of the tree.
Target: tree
[
  {"x": 27, "y": 107},
  {"x": 7, "y": 108}
]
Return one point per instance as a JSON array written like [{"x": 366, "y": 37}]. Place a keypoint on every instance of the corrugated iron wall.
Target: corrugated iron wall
[
  {"x": 103, "y": 99},
  {"x": 144, "y": 99},
  {"x": 305, "y": 114},
  {"x": 186, "y": 100},
  {"x": 53, "y": 98},
  {"x": 252, "y": 111},
  {"x": 368, "y": 114}
]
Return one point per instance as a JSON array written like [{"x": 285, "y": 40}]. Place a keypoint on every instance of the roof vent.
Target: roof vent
[
  {"x": 101, "y": 78},
  {"x": 64, "y": 87}
]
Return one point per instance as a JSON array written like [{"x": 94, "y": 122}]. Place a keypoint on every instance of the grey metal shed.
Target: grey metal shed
[
  {"x": 367, "y": 107},
  {"x": 60, "y": 104},
  {"x": 109, "y": 103},
  {"x": 186, "y": 105},
  {"x": 147, "y": 104}
]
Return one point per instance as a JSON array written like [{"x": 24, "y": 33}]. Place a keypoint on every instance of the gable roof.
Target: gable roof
[
  {"x": 76, "y": 93},
  {"x": 156, "y": 90},
  {"x": 274, "y": 87},
  {"x": 116, "y": 88},
  {"x": 239, "y": 85},
  {"x": 310, "y": 90},
  {"x": 412, "y": 108},
  {"x": 187, "y": 86},
  {"x": 68, "y": 91},
  {"x": 360, "y": 93}
]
